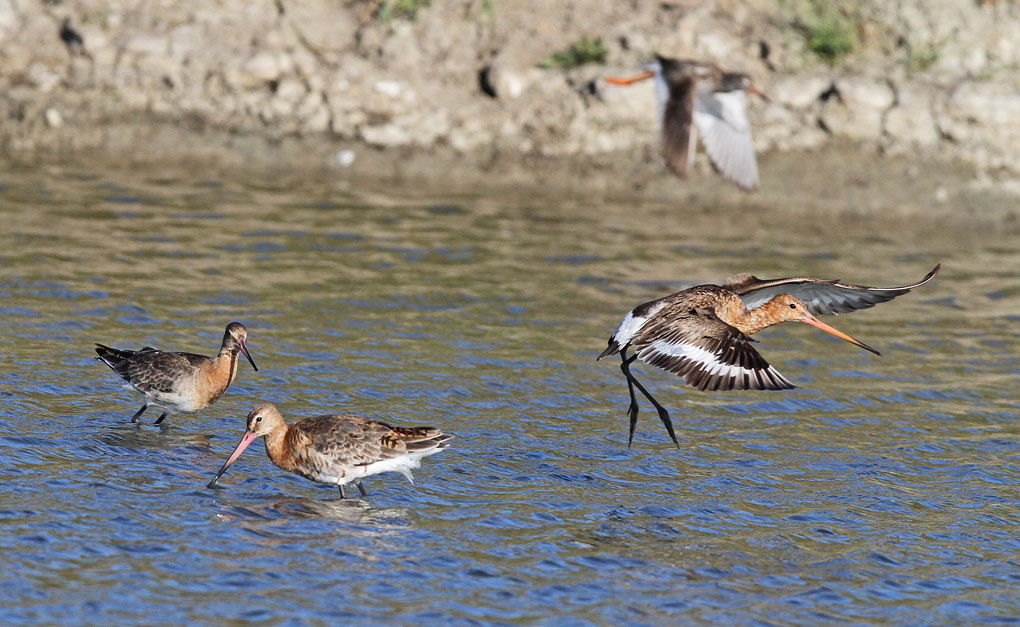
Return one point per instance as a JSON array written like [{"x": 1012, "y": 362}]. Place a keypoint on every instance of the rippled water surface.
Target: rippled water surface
[{"x": 882, "y": 490}]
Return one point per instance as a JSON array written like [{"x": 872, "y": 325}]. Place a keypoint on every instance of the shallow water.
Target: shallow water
[{"x": 883, "y": 490}]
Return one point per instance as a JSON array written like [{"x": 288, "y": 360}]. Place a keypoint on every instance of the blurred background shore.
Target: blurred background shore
[{"x": 874, "y": 105}]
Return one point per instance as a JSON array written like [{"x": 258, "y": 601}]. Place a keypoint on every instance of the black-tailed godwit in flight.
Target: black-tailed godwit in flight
[
  {"x": 703, "y": 333},
  {"x": 337, "y": 449},
  {"x": 715, "y": 102},
  {"x": 179, "y": 382}
]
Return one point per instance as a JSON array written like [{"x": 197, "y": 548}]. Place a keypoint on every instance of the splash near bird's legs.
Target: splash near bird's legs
[
  {"x": 161, "y": 418},
  {"x": 632, "y": 410},
  {"x": 138, "y": 414}
]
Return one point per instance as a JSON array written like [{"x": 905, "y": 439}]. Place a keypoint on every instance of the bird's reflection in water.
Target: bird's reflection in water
[
  {"x": 360, "y": 512},
  {"x": 164, "y": 437}
]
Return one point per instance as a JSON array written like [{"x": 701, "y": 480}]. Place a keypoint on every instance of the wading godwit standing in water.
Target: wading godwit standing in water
[
  {"x": 716, "y": 102},
  {"x": 337, "y": 448},
  {"x": 703, "y": 333},
  {"x": 179, "y": 382}
]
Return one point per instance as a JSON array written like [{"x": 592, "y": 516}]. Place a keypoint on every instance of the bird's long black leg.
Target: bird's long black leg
[
  {"x": 138, "y": 414},
  {"x": 632, "y": 411},
  {"x": 343, "y": 493},
  {"x": 161, "y": 418},
  {"x": 362, "y": 488},
  {"x": 663, "y": 414}
]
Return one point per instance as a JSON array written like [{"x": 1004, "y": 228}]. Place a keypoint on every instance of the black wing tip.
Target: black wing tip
[{"x": 906, "y": 288}]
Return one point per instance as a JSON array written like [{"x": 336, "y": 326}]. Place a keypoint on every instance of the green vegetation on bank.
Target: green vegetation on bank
[
  {"x": 831, "y": 30},
  {"x": 407, "y": 9},
  {"x": 584, "y": 50}
]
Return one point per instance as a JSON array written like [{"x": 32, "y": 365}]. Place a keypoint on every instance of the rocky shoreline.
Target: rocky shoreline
[{"x": 462, "y": 91}]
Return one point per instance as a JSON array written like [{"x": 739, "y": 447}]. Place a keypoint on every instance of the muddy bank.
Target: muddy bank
[{"x": 921, "y": 103}]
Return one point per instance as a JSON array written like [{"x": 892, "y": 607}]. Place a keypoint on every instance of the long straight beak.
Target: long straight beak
[
  {"x": 815, "y": 322},
  {"x": 757, "y": 92},
  {"x": 244, "y": 349},
  {"x": 630, "y": 81},
  {"x": 248, "y": 438}
]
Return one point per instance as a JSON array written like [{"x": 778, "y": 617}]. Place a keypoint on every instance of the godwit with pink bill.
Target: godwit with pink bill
[
  {"x": 703, "y": 333},
  {"x": 337, "y": 449},
  {"x": 179, "y": 382}
]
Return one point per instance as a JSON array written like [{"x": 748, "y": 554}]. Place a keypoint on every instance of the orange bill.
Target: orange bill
[
  {"x": 815, "y": 322},
  {"x": 754, "y": 90},
  {"x": 614, "y": 80}
]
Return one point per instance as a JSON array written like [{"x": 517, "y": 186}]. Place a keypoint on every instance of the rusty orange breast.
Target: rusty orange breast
[{"x": 214, "y": 377}]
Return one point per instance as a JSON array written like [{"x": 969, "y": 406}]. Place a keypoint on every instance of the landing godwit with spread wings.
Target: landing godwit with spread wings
[
  {"x": 703, "y": 333},
  {"x": 337, "y": 449},
  {"x": 179, "y": 382},
  {"x": 715, "y": 101}
]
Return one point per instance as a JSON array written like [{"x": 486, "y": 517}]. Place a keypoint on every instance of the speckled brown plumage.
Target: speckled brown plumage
[
  {"x": 703, "y": 333},
  {"x": 338, "y": 449},
  {"x": 179, "y": 382}
]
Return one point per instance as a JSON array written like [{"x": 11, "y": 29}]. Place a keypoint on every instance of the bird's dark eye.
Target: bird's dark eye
[
  {"x": 259, "y": 419},
  {"x": 793, "y": 306}
]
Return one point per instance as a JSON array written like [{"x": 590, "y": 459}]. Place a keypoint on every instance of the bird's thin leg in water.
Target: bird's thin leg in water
[
  {"x": 138, "y": 414},
  {"x": 632, "y": 411},
  {"x": 362, "y": 488},
  {"x": 343, "y": 493},
  {"x": 663, "y": 414},
  {"x": 161, "y": 418}
]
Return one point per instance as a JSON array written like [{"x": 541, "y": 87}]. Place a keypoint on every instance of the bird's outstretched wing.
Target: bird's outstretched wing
[
  {"x": 721, "y": 118},
  {"x": 820, "y": 296},
  {"x": 708, "y": 353}
]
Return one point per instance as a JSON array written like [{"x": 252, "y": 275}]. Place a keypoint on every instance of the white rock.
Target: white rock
[
  {"x": 859, "y": 115},
  {"x": 261, "y": 68},
  {"x": 511, "y": 83},
  {"x": 982, "y": 118},
  {"x": 318, "y": 120},
  {"x": 865, "y": 92},
  {"x": 345, "y": 158},
  {"x": 290, "y": 90},
  {"x": 798, "y": 92},
  {"x": 469, "y": 135},
  {"x": 715, "y": 44},
  {"x": 393, "y": 89},
  {"x": 53, "y": 118},
  {"x": 385, "y": 135},
  {"x": 911, "y": 120}
]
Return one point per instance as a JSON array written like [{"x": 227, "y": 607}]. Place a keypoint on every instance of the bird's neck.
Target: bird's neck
[
  {"x": 225, "y": 367},
  {"x": 750, "y": 321},
  {"x": 278, "y": 450}
]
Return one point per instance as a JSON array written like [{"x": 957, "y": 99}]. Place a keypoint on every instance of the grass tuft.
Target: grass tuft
[
  {"x": 830, "y": 28},
  {"x": 584, "y": 50},
  {"x": 393, "y": 9}
]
